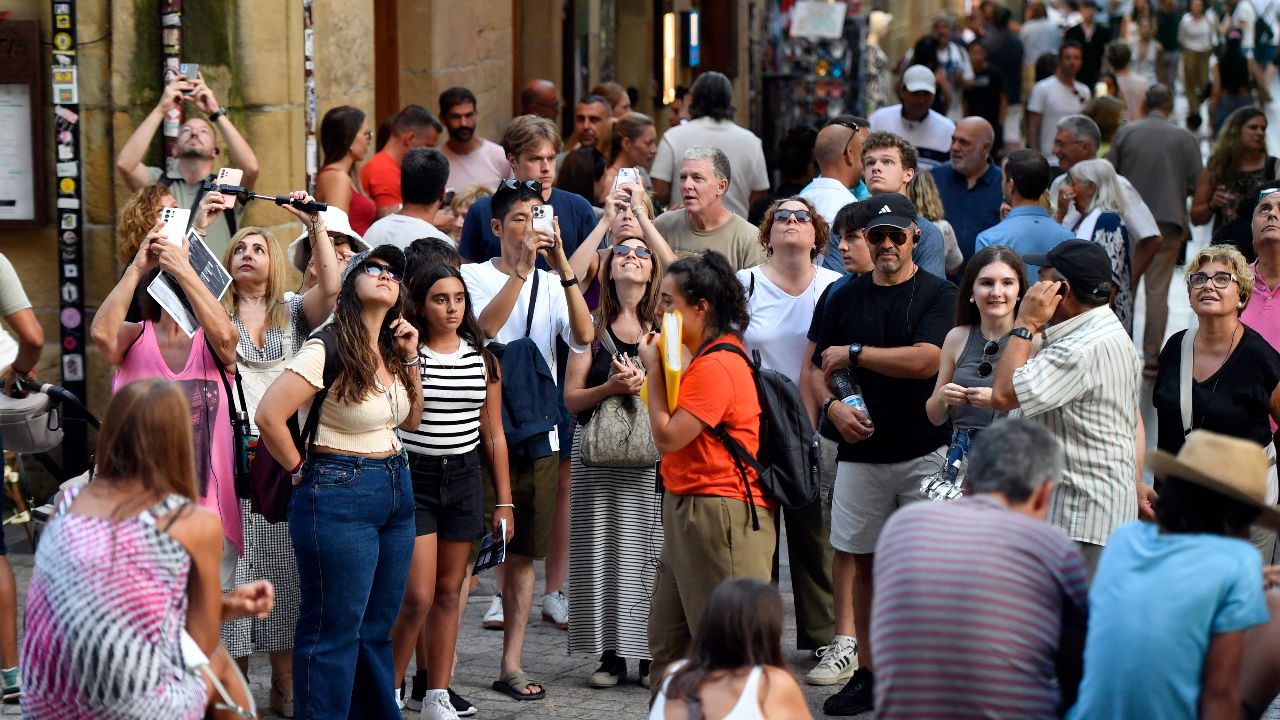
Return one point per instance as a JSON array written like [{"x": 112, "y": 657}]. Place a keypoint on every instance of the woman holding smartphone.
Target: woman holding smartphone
[
  {"x": 351, "y": 514},
  {"x": 461, "y": 425}
]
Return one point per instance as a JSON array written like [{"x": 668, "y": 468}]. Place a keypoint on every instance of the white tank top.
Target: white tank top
[{"x": 747, "y": 707}]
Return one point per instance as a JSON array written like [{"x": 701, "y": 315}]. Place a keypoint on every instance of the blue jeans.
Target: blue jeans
[{"x": 351, "y": 523}]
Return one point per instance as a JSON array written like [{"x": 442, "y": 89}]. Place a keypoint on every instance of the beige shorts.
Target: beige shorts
[{"x": 866, "y": 494}]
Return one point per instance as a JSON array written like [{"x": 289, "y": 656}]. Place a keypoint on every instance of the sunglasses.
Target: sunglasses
[
  {"x": 513, "y": 184},
  {"x": 1220, "y": 280},
  {"x": 988, "y": 354},
  {"x": 852, "y": 126},
  {"x": 878, "y": 235},
  {"x": 376, "y": 269},
  {"x": 640, "y": 251},
  {"x": 783, "y": 215}
]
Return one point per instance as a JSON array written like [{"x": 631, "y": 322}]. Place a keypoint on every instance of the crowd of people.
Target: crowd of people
[{"x": 564, "y": 344}]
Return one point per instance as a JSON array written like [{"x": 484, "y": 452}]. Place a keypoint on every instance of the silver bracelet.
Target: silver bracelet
[
  {"x": 410, "y": 363},
  {"x": 513, "y": 507}
]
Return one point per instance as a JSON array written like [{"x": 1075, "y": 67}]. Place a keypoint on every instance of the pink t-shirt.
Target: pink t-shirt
[
  {"x": 210, "y": 420},
  {"x": 486, "y": 165}
]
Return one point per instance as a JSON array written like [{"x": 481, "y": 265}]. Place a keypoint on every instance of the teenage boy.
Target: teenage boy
[{"x": 501, "y": 291}]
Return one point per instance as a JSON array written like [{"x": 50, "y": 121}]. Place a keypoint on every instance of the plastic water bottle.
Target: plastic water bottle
[
  {"x": 946, "y": 483},
  {"x": 846, "y": 388}
]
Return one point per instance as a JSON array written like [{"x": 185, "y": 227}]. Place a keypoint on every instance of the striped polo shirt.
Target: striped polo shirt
[
  {"x": 971, "y": 600},
  {"x": 1083, "y": 387},
  {"x": 453, "y": 391}
]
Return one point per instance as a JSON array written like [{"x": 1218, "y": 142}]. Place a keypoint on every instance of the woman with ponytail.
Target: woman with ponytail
[{"x": 708, "y": 534}]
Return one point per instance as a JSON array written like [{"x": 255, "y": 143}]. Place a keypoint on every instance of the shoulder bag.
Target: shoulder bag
[{"x": 618, "y": 433}]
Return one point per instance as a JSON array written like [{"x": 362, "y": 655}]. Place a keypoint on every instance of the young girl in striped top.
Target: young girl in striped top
[{"x": 461, "y": 414}]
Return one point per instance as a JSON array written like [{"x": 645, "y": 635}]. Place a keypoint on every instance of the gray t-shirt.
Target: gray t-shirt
[
  {"x": 12, "y": 297},
  {"x": 747, "y": 173},
  {"x": 219, "y": 233},
  {"x": 737, "y": 239}
]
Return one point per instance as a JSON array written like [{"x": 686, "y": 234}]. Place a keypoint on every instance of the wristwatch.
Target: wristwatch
[
  {"x": 217, "y": 114},
  {"x": 1021, "y": 332},
  {"x": 569, "y": 282},
  {"x": 854, "y": 351}
]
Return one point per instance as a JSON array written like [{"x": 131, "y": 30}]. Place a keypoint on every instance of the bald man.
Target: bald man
[
  {"x": 540, "y": 97},
  {"x": 838, "y": 152},
  {"x": 969, "y": 183}
]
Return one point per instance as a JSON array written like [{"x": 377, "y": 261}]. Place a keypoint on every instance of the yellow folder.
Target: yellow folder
[{"x": 669, "y": 349}]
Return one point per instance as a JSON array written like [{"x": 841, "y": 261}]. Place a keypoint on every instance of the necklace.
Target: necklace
[{"x": 456, "y": 355}]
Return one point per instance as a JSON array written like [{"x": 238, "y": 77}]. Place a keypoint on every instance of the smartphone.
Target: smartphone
[
  {"x": 229, "y": 176},
  {"x": 626, "y": 174},
  {"x": 448, "y": 196},
  {"x": 175, "y": 224},
  {"x": 191, "y": 71},
  {"x": 1062, "y": 290},
  {"x": 543, "y": 216}
]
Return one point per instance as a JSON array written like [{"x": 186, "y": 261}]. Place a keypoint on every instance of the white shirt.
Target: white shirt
[
  {"x": 401, "y": 231},
  {"x": 1196, "y": 35},
  {"x": 1137, "y": 216},
  {"x": 747, "y": 173},
  {"x": 828, "y": 196},
  {"x": 931, "y": 135},
  {"x": 550, "y": 313},
  {"x": 1244, "y": 18},
  {"x": 1054, "y": 101},
  {"x": 779, "y": 321}
]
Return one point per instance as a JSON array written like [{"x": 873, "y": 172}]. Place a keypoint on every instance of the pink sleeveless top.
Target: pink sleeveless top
[{"x": 210, "y": 420}]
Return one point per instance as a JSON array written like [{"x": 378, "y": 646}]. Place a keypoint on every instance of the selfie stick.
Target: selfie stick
[{"x": 247, "y": 194}]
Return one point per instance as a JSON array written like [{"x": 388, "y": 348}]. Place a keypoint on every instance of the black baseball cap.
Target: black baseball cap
[
  {"x": 891, "y": 209},
  {"x": 1084, "y": 264}
]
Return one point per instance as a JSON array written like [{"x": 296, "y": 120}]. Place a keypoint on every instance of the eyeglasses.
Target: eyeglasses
[
  {"x": 784, "y": 214},
  {"x": 988, "y": 354},
  {"x": 852, "y": 126},
  {"x": 368, "y": 134},
  {"x": 876, "y": 236},
  {"x": 639, "y": 250},
  {"x": 513, "y": 184},
  {"x": 1221, "y": 280},
  {"x": 376, "y": 269}
]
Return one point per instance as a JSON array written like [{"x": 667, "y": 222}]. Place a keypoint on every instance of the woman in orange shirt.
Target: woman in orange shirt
[{"x": 707, "y": 524}]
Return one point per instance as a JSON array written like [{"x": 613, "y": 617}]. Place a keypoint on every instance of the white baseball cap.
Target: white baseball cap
[{"x": 919, "y": 78}]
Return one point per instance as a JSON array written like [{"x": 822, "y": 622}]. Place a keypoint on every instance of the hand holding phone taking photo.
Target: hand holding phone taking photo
[
  {"x": 175, "y": 224},
  {"x": 544, "y": 221}
]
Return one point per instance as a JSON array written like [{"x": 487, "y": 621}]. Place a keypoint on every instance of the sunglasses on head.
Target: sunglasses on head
[
  {"x": 376, "y": 269},
  {"x": 783, "y": 215},
  {"x": 852, "y": 126},
  {"x": 625, "y": 250},
  {"x": 988, "y": 354},
  {"x": 513, "y": 184},
  {"x": 875, "y": 236}
]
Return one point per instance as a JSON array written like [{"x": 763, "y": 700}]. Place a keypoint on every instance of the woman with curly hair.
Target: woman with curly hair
[
  {"x": 1239, "y": 162},
  {"x": 139, "y": 213},
  {"x": 351, "y": 514},
  {"x": 717, "y": 521}
]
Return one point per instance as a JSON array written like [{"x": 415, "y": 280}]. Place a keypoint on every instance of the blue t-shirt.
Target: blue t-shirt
[
  {"x": 478, "y": 243},
  {"x": 1156, "y": 601}
]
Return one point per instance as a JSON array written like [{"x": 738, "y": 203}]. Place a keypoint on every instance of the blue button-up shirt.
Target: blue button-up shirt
[
  {"x": 970, "y": 210},
  {"x": 1027, "y": 229}
]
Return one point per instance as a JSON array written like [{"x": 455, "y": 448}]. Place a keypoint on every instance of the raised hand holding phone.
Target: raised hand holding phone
[{"x": 174, "y": 223}]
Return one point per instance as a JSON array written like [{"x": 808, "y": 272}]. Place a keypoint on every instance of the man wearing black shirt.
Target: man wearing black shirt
[{"x": 888, "y": 326}]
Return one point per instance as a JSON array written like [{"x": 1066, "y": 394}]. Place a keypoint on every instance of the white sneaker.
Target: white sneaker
[
  {"x": 838, "y": 662},
  {"x": 493, "y": 618},
  {"x": 439, "y": 709},
  {"x": 399, "y": 696},
  {"x": 555, "y": 609}
]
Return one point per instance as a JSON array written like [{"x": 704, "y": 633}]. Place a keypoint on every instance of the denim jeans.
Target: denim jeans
[{"x": 351, "y": 523}]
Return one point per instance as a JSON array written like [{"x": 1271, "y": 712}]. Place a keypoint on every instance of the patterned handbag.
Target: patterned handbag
[{"x": 618, "y": 433}]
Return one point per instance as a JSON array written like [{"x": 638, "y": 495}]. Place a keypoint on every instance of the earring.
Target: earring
[{"x": 971, "y": 300}]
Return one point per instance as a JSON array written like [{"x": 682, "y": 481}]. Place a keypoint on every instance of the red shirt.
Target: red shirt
[
  {"x": 717, "y": 387},
  {"x": 360, "y": 209},
  {"x": 381, "y": 180}
]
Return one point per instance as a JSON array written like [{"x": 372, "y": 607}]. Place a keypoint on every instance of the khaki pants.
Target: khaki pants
[
  {"x": 1156, "y": 278},
  {"x": 706, "y": 540},
  {"x": 1195, "y": 74}
]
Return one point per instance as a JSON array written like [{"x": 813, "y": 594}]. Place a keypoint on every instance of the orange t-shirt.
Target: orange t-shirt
[
  {"x": 717, "y": 387},
  {"x": 381, "y": 180}
]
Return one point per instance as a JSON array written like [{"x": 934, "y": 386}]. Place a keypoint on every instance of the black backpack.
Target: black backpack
[{"x": 788, "y": 462}]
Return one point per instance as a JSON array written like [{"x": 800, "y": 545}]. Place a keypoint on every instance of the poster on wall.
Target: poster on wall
[{"x": 17, "y": 170}]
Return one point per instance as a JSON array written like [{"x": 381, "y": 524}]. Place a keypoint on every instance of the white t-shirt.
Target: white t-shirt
[
  {"x": 827, "y": 196},
  {"x": 1054, "y": 101},
  {"x": 747, "y": 173},
  {"x": 780, "y": 322},
  {"x": 485, "y": 166},
  {"x": 401, "y": 231},
  {"x": 1244, "y": 18},
  {"x": 550, "y": 312},
  {"x": 1196, "y": 35},
  {"x": 1137, "y": 216},
  {"x": 931, "y": 135}
]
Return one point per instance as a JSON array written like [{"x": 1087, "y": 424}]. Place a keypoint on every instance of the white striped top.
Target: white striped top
[
  {"x": 1083, "y": 387},
  {"x": 453, "y": 391}
]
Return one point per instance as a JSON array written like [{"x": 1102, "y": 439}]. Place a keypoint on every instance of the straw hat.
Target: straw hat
[{"x": 1230, "y": 466}]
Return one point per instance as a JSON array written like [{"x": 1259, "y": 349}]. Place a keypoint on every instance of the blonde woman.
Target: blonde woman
[{"x": 923, "y": 192}]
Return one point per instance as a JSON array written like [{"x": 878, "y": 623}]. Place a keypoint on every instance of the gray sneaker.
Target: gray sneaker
[{"x": 837, "y": 662}]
